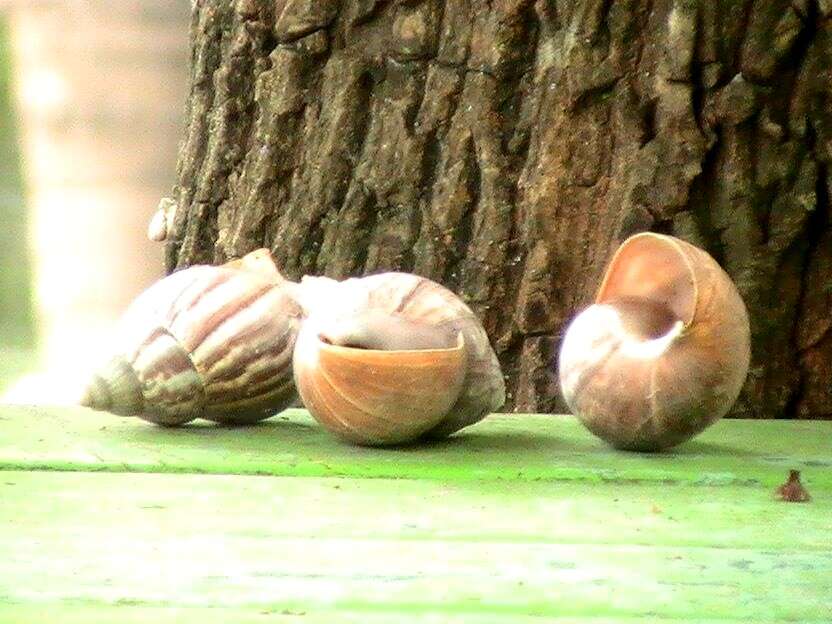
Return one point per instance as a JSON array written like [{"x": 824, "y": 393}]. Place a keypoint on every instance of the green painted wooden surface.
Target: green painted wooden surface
[
  {"x": 516, "y": 448},
  {"x": 105, "y": 519}
]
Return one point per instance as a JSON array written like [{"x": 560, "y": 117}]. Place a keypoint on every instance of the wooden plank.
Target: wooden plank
[
  {"x": 529, "y": 512},
  {"x": 503, "y": 447},
  {"x": 410, "y": 550},
  {"x": 132, "y": 614},
  {"x": 141, "y": 614},
  {"x": 135, "y": 614}
]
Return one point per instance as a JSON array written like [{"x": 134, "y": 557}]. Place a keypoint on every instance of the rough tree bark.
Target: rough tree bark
[{"x": 505, "y": 147}]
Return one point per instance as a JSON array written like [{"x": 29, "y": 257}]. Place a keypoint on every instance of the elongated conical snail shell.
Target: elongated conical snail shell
[
  {"x": 663, "y": 352},
  {"x": 209, "y": 341},
  {"x": 393, "y": 358}
]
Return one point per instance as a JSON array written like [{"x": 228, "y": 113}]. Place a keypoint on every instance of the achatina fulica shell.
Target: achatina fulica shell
[
  {"x": 209, "y": 341},
  {"x": 663, "y": 352},
  {"x": 392, "y": 358}
]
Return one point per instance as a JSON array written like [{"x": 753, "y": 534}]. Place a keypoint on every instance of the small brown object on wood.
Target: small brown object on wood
[{"x": 792, "y": 491}]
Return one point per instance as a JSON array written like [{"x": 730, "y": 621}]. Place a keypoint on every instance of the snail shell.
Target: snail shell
[
  {"x": 161, "y": 223},
  {"x": 663, "y": 352},
  {"x": 209, "y": 341},
  {"x": 393, "y": 358}
]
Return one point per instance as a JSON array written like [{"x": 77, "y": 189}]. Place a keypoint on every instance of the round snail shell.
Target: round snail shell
[
  {"x": 209, "y": 341},
  {"x": 393, "y": 358},
  {"x": 663, "y": 352}
]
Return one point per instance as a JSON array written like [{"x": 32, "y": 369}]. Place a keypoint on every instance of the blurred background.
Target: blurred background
[{"x": 91, "y": 101}]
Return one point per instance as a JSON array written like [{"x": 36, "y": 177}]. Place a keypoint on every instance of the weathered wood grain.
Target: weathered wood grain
[
  {"x": 756, "y": 454},
  {"x": 392, "y": 546},
  {"x": 97, "y": 613},
  {"x": 519, "y": 518}
]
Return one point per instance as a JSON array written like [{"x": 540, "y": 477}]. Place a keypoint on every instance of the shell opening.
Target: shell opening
[
  {"x": 380, "y": 331},
  {"x": 652, "y": 267},
  {"x": 349, "y": 343},
  {"x": 644, "y": 319},
  {"x": 374, "y": 345},
  {"x": 646, "y": 329},
  {"x": 647, "y": 349}
]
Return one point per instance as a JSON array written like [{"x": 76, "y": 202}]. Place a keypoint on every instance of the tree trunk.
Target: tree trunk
[{"x": 506, "y": 148}]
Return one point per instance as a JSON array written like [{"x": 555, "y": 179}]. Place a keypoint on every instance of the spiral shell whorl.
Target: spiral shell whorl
[
  {"x": 210, "y": 342},
  {"x": 115, "y": 388}
]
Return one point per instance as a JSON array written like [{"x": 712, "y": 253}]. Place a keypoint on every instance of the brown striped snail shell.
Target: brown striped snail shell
[
  {"x": 392, "y": 358},
  {"x": 210, "y": 342},
  {"x": 663, "y": 352}
]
